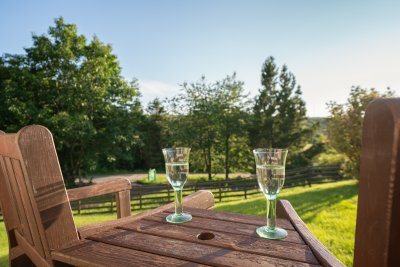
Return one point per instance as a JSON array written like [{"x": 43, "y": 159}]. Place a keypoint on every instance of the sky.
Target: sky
[{"x": 329, "y": 46}]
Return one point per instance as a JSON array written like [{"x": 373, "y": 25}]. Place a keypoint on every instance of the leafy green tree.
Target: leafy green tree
[
  {"x": 230, "y": 106},
  {"x": 195, "y": 121},
  {"x": 345, "y": 126},
  {"x": 279, "y": 113},
  {"x": 74, "y": 88}
]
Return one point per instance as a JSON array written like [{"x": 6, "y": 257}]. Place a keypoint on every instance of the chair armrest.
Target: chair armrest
[
  {"x": 202, "y": 199},
  {"x": 113, "y": 186},
  {"x": 285, "y": 210},
  {"x": 121, "y": 186}
]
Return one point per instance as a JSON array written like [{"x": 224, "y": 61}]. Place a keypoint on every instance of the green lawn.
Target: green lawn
[
  {"x": 162, "y": 179},
  {"x": 329, "y": 210}
]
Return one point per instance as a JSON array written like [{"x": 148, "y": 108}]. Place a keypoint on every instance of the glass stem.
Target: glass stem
[
  {"x": 271, "y": 214},
  {"x": 178, "y": 202}
]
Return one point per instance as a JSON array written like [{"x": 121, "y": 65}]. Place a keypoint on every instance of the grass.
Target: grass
[
  {"x": 162, "y": 179},
  {"x": 3, "y": 246},
  {"x": 329, "y": 210}
]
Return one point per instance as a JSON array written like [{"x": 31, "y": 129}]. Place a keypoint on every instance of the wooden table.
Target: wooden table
[{"x": 211, "y": 238}]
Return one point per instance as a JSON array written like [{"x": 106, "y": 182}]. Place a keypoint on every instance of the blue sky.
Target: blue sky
[{"x": 328, "y": 45}]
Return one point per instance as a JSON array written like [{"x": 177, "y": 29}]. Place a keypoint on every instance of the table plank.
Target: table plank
[
  {"x": 93, "y": 254},
  {"x": 235, "y": 217},
  {"x": 250, "y": 244},
  {"x": 200, "y": 253},
  {"x": 226, "y": 227}
]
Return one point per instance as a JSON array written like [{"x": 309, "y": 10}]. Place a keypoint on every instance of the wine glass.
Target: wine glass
[
  {"x": 270, "y": 166},
  {"x": 177, "y": 171}
]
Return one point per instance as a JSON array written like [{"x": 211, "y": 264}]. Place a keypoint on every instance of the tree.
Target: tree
[
  {"x": 230, "y": 105},
  {"x": 195, "y": 122},
  {"x": 279, "y": 113},
  {"x": 75, "y": 89},
  {"x": 345, "y": 125},
  {"x": 155, "y": 135},
  {"x": 209, "y": 117}
]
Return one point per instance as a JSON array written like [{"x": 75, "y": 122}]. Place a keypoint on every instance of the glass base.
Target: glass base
[
  {"x": 179, "y": 218},
  {"x": 276, "y": 233}
]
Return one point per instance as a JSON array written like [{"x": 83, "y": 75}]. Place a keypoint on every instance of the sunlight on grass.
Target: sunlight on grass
[
  {"x": 162, "y": 179},
  {"x": 3, "y": 245},
  {"x": 86, "y": 219},
  {"x": 329, "y": 210}
]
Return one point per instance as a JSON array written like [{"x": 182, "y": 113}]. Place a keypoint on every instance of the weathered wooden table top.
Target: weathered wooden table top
[{"x": 211, "y": 238}]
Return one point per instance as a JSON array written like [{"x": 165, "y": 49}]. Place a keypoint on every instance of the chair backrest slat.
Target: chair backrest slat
[
  {"x": 32, "y": 191},
  {"x": 12, "y": 204},
  {"x": 14, "y": 192},
  {"x": 378, "y": 216},
  {"x": 41, "y": 161}
]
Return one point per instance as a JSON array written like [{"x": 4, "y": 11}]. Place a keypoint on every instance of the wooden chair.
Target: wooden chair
[
  {"x": 377, "y": 238},
  {"x": 378, "y": 216},
  {"x": 36, "y": 206}
]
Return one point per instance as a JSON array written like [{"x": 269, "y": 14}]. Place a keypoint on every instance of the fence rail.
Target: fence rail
[{"x": 153, "y": 195}]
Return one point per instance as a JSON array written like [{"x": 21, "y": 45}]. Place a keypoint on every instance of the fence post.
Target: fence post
[
  {"x": 140, "y": 197},
  {"x": 79, "y": 207},
  {"x": 112, "y": 204},
  {"x": 245, "y": 193},
  {"x": 220, "y": 189},
  {"x": 169, "y": 193}
]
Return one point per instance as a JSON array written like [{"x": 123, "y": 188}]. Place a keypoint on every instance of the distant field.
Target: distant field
[{"x": 327, "y": 209}]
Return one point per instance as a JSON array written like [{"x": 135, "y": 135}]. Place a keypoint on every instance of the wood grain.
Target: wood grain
[
  {"x": 250, "y": 244},
  {"x": 28, "y": 212},
  {"x": 201, "y": 199},
  {"x": 90, "y": 253},
  {"x": 116, "y": 185},
  {"x": 226, "y": 227},
  {"x": 44, "y": 181},
  {"x": 378, "y": 213},
  {"x": 11, "y": 205},
  {"x": 123, "y": 200},
  {"x": 29, "y": 250},
  {"x": 235, "y": 217},
  {"x": 319, "y": 250},
  {"x": 200, "y": 253}
]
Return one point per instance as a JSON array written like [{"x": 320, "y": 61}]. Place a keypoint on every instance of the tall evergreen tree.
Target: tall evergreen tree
[
  {"x": 279, "y": 113},
  {"x": 155, "y": 135}
]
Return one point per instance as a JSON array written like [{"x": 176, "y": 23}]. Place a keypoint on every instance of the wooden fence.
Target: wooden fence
[{"x": 149, "y": 196}]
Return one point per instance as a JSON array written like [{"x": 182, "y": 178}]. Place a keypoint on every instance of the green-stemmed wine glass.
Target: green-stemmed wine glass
[
  {"x": 270, "y": 166},
  {"x": 177, "y": 170}
]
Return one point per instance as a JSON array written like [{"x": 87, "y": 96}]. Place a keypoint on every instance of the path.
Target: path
[{"x": 138, "y": 176}]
